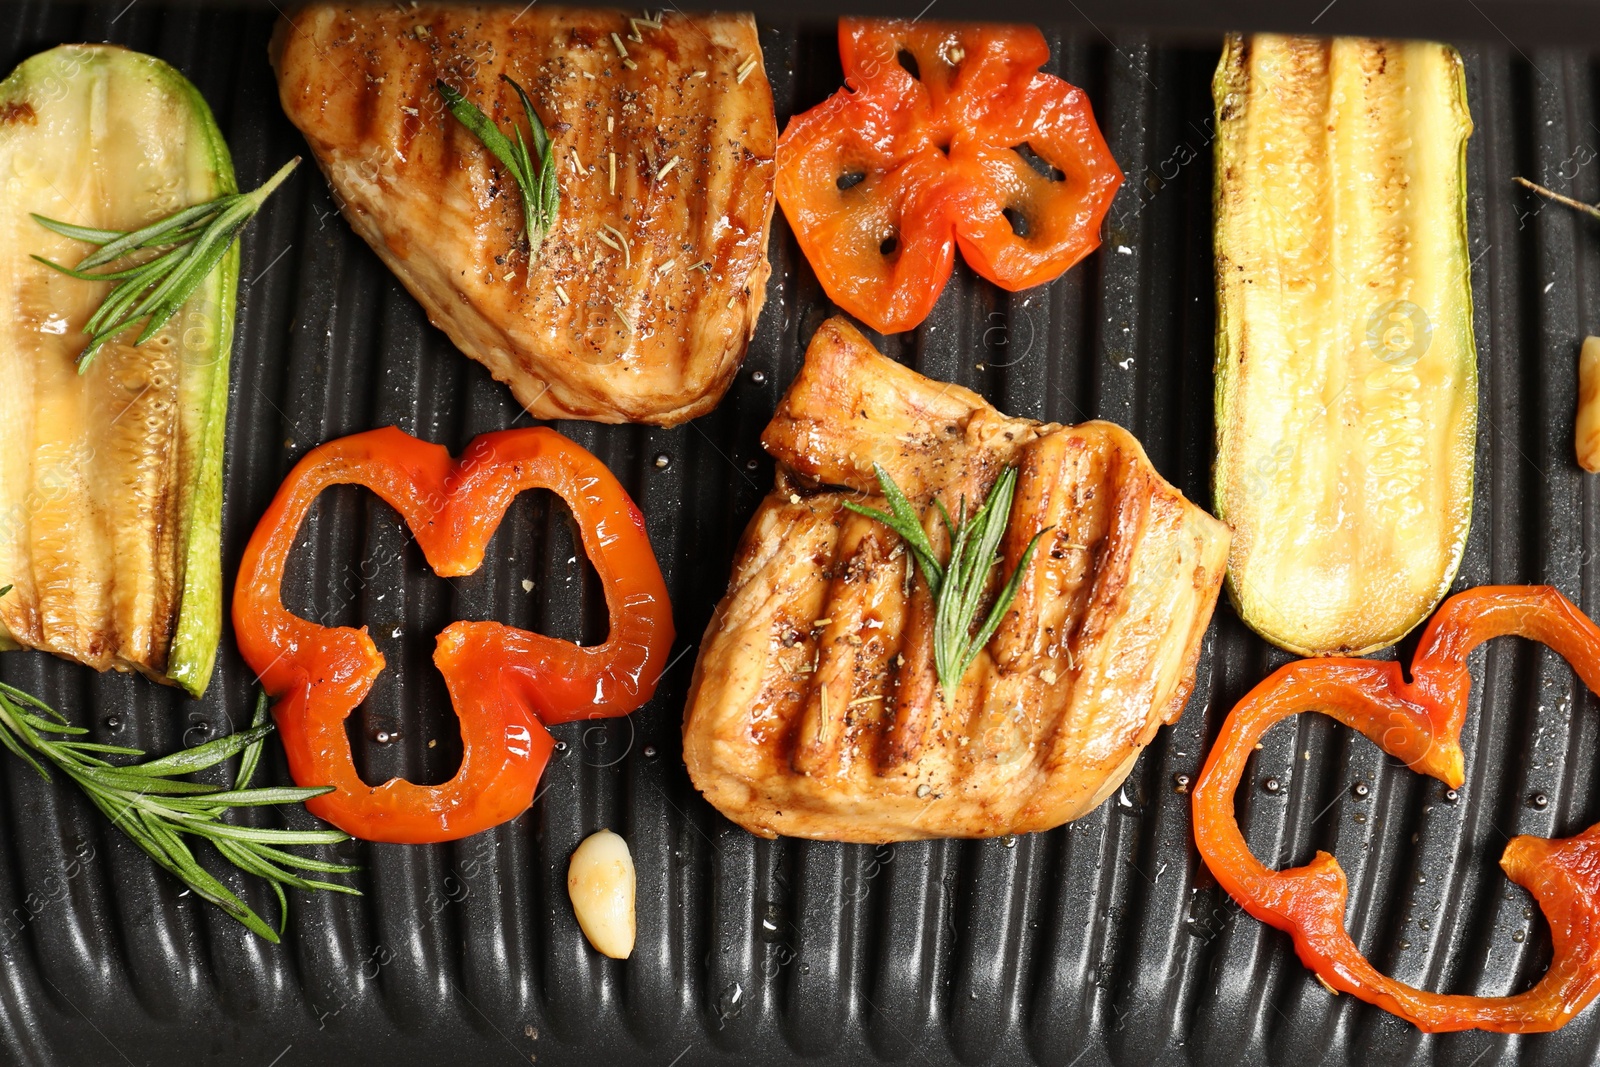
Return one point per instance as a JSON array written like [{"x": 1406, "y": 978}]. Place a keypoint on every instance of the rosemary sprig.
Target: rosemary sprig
[
  {"x": 958, "y": 586},
  {"x": 537, "y": 185},
  {"x": 195, "y": 239},
  {"x": 153, "y": 805}
]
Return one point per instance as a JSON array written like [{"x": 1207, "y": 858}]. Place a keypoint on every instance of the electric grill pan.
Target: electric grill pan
[{"x": 1102, "y": 942}]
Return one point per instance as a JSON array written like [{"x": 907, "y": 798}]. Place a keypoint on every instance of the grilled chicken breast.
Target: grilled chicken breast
[
  {"x": 815, "y": 710},
  {"x": 641, "y": 301}
]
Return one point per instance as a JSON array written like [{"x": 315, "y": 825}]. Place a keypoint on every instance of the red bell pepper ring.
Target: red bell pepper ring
[
  {"x": 1419, "y": 722},
  {"x": 505, "y": 683},
  {"x": 922, "y": 150}
]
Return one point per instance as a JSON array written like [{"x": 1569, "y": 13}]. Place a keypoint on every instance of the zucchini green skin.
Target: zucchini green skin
[
  {"x": 169, "y": 625},
  {"x": 1346, "y": 370},
  {"x": 199, "y": 628}
]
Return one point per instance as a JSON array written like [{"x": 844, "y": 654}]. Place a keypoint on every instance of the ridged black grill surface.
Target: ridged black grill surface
[{"x": 1101, "y": 942}]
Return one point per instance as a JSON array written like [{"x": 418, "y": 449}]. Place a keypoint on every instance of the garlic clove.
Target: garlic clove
[
  {"x": 1588, "y": 427},
  {"x": 601, "y": 883}
]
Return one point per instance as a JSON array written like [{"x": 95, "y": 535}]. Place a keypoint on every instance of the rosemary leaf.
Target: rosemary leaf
[
  {"x": 283, "y": 904},
  {"x": 157, "y": 810},
  {"x": 958, "y": 586},
  {"x": 202, "y": 756},
  {"x": 131, "y": 781},
  {"x": 904, "y": 521},
  {"x": 276, "y": 794},
  {"x": 536, "y": 184},
  {"x": 472, "y": 117},
  {"x": 1008, "y": 593},
  {"x": 252, "y": 863},
  {"x": 304, "y": 863},
  {"x": 94, "y": 746},
  {"x": 541, "y": 139},
  {"x": 251, "y": 757},
  {"x": 265, "y": 836},
  {"x": 11, "y": 742},
  {"x": 150, "y": 267},
  {"x": 151, "y": 235},
  {"x": 28, "y": 699},
  {"x": 51, "y": 725},
  {"x": 195, "y": 238},
  {"x": 79, "y": 233}
]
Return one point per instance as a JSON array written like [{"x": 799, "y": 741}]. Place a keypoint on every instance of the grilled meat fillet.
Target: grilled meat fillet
[
  {"x": 641, "y": 301},
  {"x": 815, "y": 711}
]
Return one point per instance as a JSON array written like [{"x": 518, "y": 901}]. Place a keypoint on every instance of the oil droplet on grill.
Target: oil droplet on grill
[
  {"x": 773, "y": 921},
  {"x": 730, "y": 1002}
]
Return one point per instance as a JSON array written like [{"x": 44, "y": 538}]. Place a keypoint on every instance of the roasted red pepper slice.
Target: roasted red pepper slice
[
  {"x": 929, "y": 145},
  {"x": 1419, "y": 722},
  {"x": 505, "y": 683}
]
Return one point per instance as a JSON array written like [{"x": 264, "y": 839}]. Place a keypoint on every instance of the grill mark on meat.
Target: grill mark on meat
[
  {"x": 366, "y": 105},
  {"x": 424, "y": 98},
  {"x": 848, "y": 655}
]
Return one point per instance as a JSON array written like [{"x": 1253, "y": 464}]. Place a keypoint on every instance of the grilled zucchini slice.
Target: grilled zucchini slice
[
  {"x": 1346, "y": 375},
  {"x": 110, "y": 481}
]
